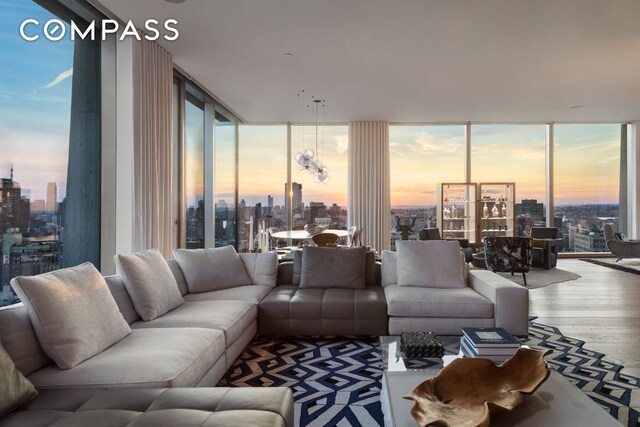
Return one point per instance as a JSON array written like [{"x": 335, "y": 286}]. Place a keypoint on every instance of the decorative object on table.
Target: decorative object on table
[
  {"x": 314, "y": 229},
  {"x": 420, "y": 345},
  {"x": 441, "y": 400},
  {"x": 404, "y": 229},
  {"x": 495, "y": 344}
]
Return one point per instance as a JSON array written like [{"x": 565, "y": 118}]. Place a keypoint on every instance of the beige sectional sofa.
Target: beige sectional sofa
[
  {"x": 455, "y": 298},
  {"x": 340, "y": 292}
]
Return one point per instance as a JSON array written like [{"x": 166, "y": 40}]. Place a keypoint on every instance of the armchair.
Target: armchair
[
  {"x": 618, "y": 245},
  {"x": 508, "y": 254},
  {"x": 547, "y": 243},
  {"x": 434, "y": 234}
]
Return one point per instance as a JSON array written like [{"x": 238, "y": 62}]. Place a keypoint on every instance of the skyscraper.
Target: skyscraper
[
  {"x": 270, "y": 204},
  {"x": 296, "y": 197},
  {"x": 52, "y": 197}
]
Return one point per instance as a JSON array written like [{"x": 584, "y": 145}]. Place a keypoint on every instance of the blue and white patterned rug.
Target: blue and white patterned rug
[{"x": 336, "y": 380}]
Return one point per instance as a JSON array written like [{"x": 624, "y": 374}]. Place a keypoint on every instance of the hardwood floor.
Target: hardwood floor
[{"x": 601, "y": 308}]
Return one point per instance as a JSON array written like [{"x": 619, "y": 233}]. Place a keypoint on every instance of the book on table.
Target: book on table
[
  {"x": 470, "y": 352},
  {"x": 490, "y": 338},
  {"x": 487, "y": 351}
]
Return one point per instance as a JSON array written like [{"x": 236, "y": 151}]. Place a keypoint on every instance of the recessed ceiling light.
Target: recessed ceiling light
[
  {"x": 575, "y": 107},
  {"x": 175, "y": 1},
  {"x": 288, "y": 54}
]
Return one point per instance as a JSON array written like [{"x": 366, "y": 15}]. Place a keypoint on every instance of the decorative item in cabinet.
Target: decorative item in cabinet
[
  {"x": 497, "y": 216},
  {"x": 456, "y": 211}
]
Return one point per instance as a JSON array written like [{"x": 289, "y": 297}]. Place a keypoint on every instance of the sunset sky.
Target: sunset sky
[{"x": 35, "y": 88}]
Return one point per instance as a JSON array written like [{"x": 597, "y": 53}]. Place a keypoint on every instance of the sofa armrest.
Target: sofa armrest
[
  {"x": 553, "y": 245},
  {"x": 510, "y": 301}
]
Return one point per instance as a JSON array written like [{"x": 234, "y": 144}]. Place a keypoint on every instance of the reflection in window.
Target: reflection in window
[
  {"x": 420, "y": 158},
  {"x": 513, "y": 153},
  {"x": 225, "y": 181},
  {"x": 586, "y": 183},
  {"x": 194, "y": 172},
  {"x": 51, "y": 148},
  {"x": 262, "y": 180},
  {"x": 320, "y": 203}
]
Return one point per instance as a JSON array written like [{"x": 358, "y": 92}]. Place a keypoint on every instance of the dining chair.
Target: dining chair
[{"x": 325, "y": 239}]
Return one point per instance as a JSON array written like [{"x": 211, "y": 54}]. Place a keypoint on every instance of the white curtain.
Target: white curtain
[
  {"x": 369, "y": 190},
  {"x": 153, "y": 150}
]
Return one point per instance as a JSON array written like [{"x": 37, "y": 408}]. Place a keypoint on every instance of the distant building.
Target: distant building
[
  {"x": 15, "y": 210},
  {"x": 295, "y": 196},
  {"x": 269, "y": 205},
  {"x": 52, "y": 197},
  {"x": 38, "y": 205},
  {"x": 591, "y": 242}
]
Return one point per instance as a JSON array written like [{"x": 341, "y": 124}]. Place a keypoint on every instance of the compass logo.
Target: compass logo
[{"x": 55, "y": 30}]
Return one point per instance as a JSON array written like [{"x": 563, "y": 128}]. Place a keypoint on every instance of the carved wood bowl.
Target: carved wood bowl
[{"x": 467, "y": 391}]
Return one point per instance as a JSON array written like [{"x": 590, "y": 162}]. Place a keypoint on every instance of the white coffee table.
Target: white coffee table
[{"x": 556, "y": 403}]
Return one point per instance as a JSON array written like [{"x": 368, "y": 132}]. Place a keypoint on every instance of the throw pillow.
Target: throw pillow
[
  {"x": 15, "y": 389},
  {"x": 211, "y": 269},
  {"x": 73, "y": 313},
  {"x": 149, "y": 282},
  {"x": 262, "y": 268},
  {"x": 333, "y": 268},
  {"x": 430, "y": 264}
]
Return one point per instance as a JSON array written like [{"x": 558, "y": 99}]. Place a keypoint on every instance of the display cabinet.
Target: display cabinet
[
  {"x": 457, "y": 211},
  {"x": 496, "y": 209}
]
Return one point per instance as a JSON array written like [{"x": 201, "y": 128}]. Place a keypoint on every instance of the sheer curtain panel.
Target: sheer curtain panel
[{"x": 369, "y": 198}]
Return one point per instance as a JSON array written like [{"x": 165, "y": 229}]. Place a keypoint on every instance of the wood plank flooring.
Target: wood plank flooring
[{"x": 601, "y": 308}]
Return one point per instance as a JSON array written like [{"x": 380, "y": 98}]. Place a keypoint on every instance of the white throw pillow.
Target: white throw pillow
[
  {"x": 262, "y": 268},
  {"x": 430, "y": 264},
  {"x": 149, "y": 282},
  {"x": 211, "y": 269},
  {"x": 73, "y": 313}
]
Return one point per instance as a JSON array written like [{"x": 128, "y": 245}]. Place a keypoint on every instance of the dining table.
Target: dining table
[{"x": 304, "y": 235}]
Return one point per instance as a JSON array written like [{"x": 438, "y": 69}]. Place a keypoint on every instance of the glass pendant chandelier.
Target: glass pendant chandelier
[{"x": 308, "y": 159}]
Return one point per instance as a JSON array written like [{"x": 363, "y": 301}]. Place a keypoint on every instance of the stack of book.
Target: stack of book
[{"x": 495, "y": 344}]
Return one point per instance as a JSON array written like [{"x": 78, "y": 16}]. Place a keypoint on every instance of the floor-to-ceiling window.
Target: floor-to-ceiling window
[
  {"x": 586, "y": 183},
  {"x": 420, "y": 158},
  {"x": 313, "y": 202},
  {"x": 50, "y": 145},
  {"x": 194, "y": 172},
  {"x": 262, "y": 180},
  {"x": 225, "y": 180},
  {"x": 513, "y": 153}
]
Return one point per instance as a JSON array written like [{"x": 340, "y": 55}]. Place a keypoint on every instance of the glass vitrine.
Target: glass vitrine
[
  {"x": 496, "y": 209},
  {"x": 457, "y": 210}
]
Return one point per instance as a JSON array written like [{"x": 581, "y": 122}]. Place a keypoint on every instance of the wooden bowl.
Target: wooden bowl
[{"x": 467, "y": 391}]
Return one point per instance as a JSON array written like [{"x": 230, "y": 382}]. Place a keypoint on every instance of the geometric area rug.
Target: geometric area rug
[{"x": 336, "y": 380}]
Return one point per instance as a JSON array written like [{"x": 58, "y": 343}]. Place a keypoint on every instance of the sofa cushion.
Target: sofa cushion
[
  {"x": 154, "y": 357},
  {"x": 211, "y": 269},
  {"x": 73, "y": 313},
  {"x": 19, "y": 339},
  {"x": 431, "y": 264},
  {"x": 333, "y": 268},
  {"x": 204, "y": 406},
  {"x": 149, "y": 282},
  {"x": 250, "y": 293},
  {"x": 262, "y": 268},
  {"x": 15, "y": 389},
  {"x": 122, "y": 298},
  {"x": 231, "y": 317},
  {"x": 404, "y": 301}
]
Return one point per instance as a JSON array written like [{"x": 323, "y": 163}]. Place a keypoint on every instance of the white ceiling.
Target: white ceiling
[{"x": 410, "y": 60}]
